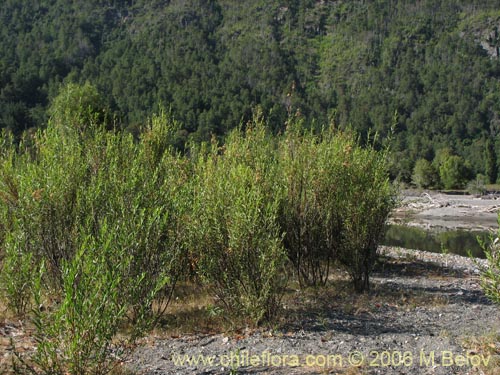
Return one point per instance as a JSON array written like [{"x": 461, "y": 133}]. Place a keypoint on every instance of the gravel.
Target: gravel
[{"x": 422, "y": 316}]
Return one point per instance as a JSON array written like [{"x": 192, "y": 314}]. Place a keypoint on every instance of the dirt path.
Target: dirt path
[{"x": 425, "y": 314}]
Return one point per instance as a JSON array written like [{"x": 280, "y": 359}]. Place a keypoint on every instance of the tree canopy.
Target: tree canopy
[{"x": 355, "y": 64}]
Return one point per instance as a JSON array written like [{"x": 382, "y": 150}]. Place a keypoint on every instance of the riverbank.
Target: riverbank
[
  {"x": 424, "y": 314},
  {"x": 434, "y": 210}
]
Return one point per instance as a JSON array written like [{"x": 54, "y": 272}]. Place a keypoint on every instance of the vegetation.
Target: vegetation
[
  {"x": 338, "y": 198},
  {"x": 490, "y": 275},
  {"x": 425, "y": 175},
  {"x": 237, "y": 240},
  {"x": 92, "y": 237},
  {"x": 102, "y": 213},
  {"x": 212, "y": 62},
  {"x": 310, "y": 213},
  {"x": 98, "y": 226}
]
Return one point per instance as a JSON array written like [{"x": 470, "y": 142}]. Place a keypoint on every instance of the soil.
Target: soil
[{"x": 425, "y": 314}]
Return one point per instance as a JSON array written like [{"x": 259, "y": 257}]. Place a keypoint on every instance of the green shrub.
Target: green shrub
[
  {"x": 17, "y": 277},
  {"x": 16, "y": 265},
  {"x": 75, "y": 335},
  {"x": 104, "y": 216},
  {"x": 336, "y": 204},
  {"x": 309, "y": 214},
  {"x": 76, "y": 108},
  {"x": 425, "y": 175},
  {"x": 145, "y": 194},
  {"x": 490, "y": 275},
  {"x": 453, "y": 172},
  {"x": 477, "y": 186},
  {"x": 236, "y": 237},
  {"x": 367, "y": 198}
]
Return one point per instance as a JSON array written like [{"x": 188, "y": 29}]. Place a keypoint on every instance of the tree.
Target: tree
[
  {"x": 425, "y": 175},
  {"x": 453, "y": 172},
  {"x": 77, "y": 107},
  {"x": 491, "y": 162}
]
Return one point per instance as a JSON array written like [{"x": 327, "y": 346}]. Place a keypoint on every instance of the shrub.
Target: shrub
[
  {"x": 102, "y": 217},
  {"x": 453, "y": 172},
  {"x": 76, "y": 108},
  {"x": 17, "y": 277},
  {"x": 16, "y": 265},
  {"x": 477, "y": 186},
  {"x": 366, "y": 201},
  {"x": 145, "y": 195},
  {"x": 309, "y": 214},
  {"x": 336, "y": 204},
  {"x": 75, "y": 335},
  {"x": 236, "y": 238},
  {"x": 490, "y": 275},
  {"x": 424, "y": 175}
]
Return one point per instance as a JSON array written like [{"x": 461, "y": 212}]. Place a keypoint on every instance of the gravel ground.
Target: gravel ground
[{"x": 425, "y": 314}]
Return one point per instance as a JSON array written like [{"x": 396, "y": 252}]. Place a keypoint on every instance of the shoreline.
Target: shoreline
[
  {"x": 450, "y": 261},
  {"x": 435, "y": 210}
]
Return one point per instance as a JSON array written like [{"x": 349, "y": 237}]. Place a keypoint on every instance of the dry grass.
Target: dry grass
[
  {"x": 488, "y": 345},
  {"x": 340, "y": 294},
  {"x": 194, "y": 310}
]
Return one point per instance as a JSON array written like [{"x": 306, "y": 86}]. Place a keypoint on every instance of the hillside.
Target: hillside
[{"x": 355, "y": 63}]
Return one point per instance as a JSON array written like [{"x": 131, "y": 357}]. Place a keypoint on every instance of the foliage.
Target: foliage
[
  {"x": 213, "y": 61},
  {"x": 98, "y": 226},
  {"x": 236, "y": 238},
  {"x": 101, "y": 215},
  {"x": 17, "y": 279},
  {"x": 367, "y": 197},
  {"x": 490, "y": 275},
  {"x": 75, "y": 336},
  {"x": 424, "y": 175},
  {"x": 337, "y": 201},
  {"x": 453, "y": 172},
  {"x": 77, "y": 107},
  {"x": 310, "y": 216},
  {"x": 491, "y": 167},
  {"x": 477, "y": 186}
]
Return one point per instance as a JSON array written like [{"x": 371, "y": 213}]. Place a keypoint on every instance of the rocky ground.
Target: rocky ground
[
  {"x": 427, "y": 209},
  {"x": 425, "y": 314}
]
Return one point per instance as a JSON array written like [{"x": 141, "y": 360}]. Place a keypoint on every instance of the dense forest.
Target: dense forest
[{"x": 426, "y": 73}]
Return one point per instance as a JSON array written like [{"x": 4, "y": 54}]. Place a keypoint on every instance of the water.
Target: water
[{"x": 453, "y": 241}]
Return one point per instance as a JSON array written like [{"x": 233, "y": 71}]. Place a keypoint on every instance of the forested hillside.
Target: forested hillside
[{"x": 428, "y": 69}]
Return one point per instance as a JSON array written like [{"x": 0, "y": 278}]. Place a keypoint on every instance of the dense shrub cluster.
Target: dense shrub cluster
[
  {"x": 337, "y": 199},
  {"x": 237, "y": 237},
  {"x": 447, "y": 170},
  {"x": 97, "y": 227},
  {"x": 98, "y": 217}
]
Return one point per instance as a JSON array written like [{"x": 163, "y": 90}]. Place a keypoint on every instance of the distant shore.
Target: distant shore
[{"x": 434, "y": 210}]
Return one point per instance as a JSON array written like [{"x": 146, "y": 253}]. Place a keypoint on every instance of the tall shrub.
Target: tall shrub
[
  {"x": 309, "y": 215},
  {"x": 366, "y": 200},
  {"x": 490, "y": 275},
  {"x": 102, "y": 216},
  {"x": 236, "y": 238},
  {"x": 424, "y": 175},
  {"x": 75, "y": 336},
  {"x": 338, "y": 197}
]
